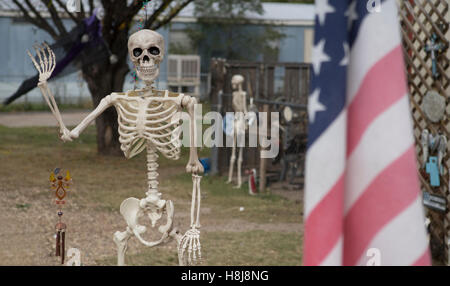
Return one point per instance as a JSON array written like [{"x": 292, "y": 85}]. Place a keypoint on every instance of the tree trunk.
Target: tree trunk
[{"x": 103, "y": 79}]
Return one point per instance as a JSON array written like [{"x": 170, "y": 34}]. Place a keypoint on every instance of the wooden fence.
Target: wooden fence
[
  {"x": 419, "y": 21},
  {"x": 272, "y": 85}
]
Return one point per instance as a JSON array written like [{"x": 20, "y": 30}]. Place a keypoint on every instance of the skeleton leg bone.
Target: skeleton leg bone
[
  {"x": 232, "y": 160},
  {"x": 121, "y": 241},
  {"x": 239, "y": 166}
]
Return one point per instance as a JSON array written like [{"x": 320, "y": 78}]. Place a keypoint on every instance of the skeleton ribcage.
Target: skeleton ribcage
[{"x": 149, "y": 120}]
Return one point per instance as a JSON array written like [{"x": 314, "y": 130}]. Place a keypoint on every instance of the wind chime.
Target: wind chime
[
  {"x": 58, "y": 183},
  {"x": 60, "y": 186}
]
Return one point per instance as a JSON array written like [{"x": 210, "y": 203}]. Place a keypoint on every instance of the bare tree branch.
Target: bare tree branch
[
  {"x": 82, "y": 13},
  {"x": 121, "y": 7},
  {"x": 77, "y": 21},
  {"x": 172, "y": 14},
  {"x": 91, "y": 7},
  {"x": 164, "y": 5},
  {"x": 37, "y": 20},
  {"x": 133, "y": 9},
  {"x": 27, "y": 15},
  {"x": 108, "y": 7},
  {"x": 55, "y": 17}
]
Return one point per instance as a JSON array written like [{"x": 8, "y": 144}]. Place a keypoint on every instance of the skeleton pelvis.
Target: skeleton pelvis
[{"x": 131, "y": 210}]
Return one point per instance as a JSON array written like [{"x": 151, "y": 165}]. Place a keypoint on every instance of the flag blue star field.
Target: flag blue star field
[{"x": 362, "y": 195}]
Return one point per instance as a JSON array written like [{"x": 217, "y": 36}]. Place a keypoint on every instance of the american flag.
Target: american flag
[{"x": 362, "y": 190}]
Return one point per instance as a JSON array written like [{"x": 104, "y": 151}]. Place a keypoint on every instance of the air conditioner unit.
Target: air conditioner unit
[{"x": 183, "y": 74}]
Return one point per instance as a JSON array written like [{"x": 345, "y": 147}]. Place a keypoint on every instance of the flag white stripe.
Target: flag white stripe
[
  {"x": 379, "y": 147},
  {"x": 368, "y": 50},
  {"x": 325, "y": 162},
  {"x": 401, "y": 242}
]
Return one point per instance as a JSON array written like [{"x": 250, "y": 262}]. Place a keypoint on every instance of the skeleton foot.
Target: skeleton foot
[{"x": 121, "y": 241}]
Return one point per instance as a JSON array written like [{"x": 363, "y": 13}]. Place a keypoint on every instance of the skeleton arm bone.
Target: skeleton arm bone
[
  {"x": 189, "y": 247},
  {"x": 244, "y": 95},
  {"x": 45, "y": 67},
  {"x": 193, "y": 166},
  {"x": 106, "y": 102},
  {"x": 48, "y": 96}
]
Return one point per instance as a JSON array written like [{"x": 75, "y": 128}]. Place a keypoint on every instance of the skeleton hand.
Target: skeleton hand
[
  {"x": 190, "y": 242},
  {"x": 46, "y": 64},
  {"x": 194, "y": 167},
  {"x": 66, "y": 135}
]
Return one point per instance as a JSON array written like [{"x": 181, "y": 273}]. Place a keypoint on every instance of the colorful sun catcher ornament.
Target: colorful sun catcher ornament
[{"x": 60, "y": 185}]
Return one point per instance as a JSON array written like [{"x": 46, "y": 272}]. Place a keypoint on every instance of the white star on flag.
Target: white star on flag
[
  {"x": 322, "y": 8},
  {"x": 351, "y": 14},
  {"x": 314, "y": 105},
  {"x": 346, "y": 58},
  {"x": 319, "y": 56}
]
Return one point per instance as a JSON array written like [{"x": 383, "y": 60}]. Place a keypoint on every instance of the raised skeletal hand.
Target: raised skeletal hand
[{"x": 47, "y": 61}]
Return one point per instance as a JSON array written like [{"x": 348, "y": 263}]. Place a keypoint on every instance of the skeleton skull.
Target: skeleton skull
[
  {"x": 146, "y": 50},
  {"x": 236, "y": 80}
]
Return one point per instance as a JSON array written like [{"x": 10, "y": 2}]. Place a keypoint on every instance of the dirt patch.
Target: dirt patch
[{"x": 288, "y": 191}]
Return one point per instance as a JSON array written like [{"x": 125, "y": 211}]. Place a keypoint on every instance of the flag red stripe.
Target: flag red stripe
[
  {"x": 323, "y": 226},
  {"x": 392, "y": 191},
  {"x": 424, "y": 260},
  {"x": 383, "y": 85}
]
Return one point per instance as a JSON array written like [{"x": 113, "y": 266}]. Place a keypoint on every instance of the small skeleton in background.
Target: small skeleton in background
[
  {"x": 148, "y": 119},
  {"x": 239, "y": 104}
]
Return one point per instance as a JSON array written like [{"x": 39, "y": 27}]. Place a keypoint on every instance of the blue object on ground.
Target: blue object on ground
[{"x": 206, "y": 162}]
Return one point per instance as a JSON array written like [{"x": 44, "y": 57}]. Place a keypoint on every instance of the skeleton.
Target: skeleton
[
  {"x": 148, "y": 119},
  {"x": 240, "y": 109}
]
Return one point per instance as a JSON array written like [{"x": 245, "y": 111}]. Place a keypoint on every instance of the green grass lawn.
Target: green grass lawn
[{"x": 266, "y": 232}]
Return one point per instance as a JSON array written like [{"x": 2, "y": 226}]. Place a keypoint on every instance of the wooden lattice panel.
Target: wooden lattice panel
[{"x": 419, "y": 20}]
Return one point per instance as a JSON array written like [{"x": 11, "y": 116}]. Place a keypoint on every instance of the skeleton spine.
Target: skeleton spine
[{"x": 152, "y": 168}]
